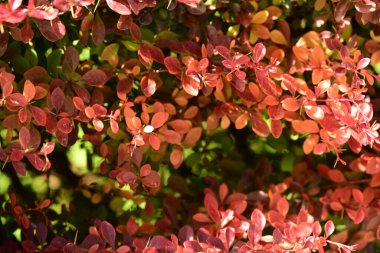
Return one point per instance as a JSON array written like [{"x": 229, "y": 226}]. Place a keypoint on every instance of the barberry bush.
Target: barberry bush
[{"x": 189, "y": 126}]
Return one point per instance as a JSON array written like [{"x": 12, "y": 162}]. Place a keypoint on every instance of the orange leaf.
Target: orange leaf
[{"x": 277, "y": 37}]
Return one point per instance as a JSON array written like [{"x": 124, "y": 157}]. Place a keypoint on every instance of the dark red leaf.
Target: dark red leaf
[
  {"x": 98, "y": 30},
  {"x": 71, "y": 58},
  {"x": 173, "y": 65},
  {"x": 95, "y": 77},
  {"x": 153, "y": 180},
  {"x": 41, "y": 232},
  {"x": 65, "y": 125},
  {"x": 57, "y": 98},
  {"x": 108, "y": 233}
]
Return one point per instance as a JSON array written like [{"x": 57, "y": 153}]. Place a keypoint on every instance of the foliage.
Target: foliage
[{"x": 117, "y": 117}]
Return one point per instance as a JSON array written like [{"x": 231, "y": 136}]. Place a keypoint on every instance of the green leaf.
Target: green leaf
[{"x": 54, "y": 62}]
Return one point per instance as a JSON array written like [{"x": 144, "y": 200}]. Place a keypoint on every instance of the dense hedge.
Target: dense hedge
[{"x": 119, "y": 117}]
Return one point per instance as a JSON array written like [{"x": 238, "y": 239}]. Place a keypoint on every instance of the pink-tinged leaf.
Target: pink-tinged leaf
[
  {"x": 108, "y": 233},
  {"x": 378, "y": 233},
  {"x": 148, "y": 85},
  {"x": 114, "y": 126},
  {"x": 283, "y": 206},
  {"x": 317, "y": 229},
  {"x": 17, "y": 99},
  {"x": 19, "y": 168},
  {"x": 320, "y": 148},
  {"x": 71, "y": 58},
  {"x": 98, "y": 30},
  {"x": 65, "y": 126},
  {"x": 277, "y": 236},
  {"x": 173, "y": 65},
  {"x": 41, "y": 232},
  {"x": 329, "y": 228},
  {"x": 342, "y": 135},
  {"x": 29, "y": 90},
  {"x": 259, "y": 52},
  {"x": 57, "y": 98},
  {"x": 24, "y": 137},
  {"x": 119, "y": 6},
  {"x": 14, "y": 4},
  {"x": 26, "y": 32},
  {"x": 47, "y": 148},
  {"x": 95, "y": 77},
  {"x": 79, "y": 104},
  {"x": 98, "y": 124},
  {"x": 123, "y": 249},
  {"x": 314, "y": 112},
  {"x": 153, "y": 180},
  {"x": 363, "y": 63},
  {"x": 159, "y": 119},
  {"x": 258, "y": 218},
  {"x": 337, "y": 176}
]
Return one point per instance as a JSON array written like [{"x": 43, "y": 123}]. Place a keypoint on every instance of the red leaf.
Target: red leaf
[
  {"x": 65, "y": 126},
  {"x": 159, "y": 119},
  {"x": 259, "y": 51},
  {"x": 358, "y": 196},
  {"x": 23, "y": 115},
  {"x": 329, "y": 228},
  {"x": 98, "y": 30},
  {"x": 124, "y": 86},
  {"x": 336, "y": 176},
  {"x": 148, "y": 85},
  {"x": 52, "y": 30},
  {"x": 95, "y": 77},
  {"x": 173, "y": 65},
  {"x": 259, "y": 126},
  {"x": 153, "y": 180},
  {"x": 145, "y": 170},
  {"x": 126, "y": 177},
  {"x": 24, "y": 137},
  {"x": 29, "y": 90},
  {"x": 258, "y": 218},
  {"x": 276, "y": 127},
  {"x": 176, "y": 158},
  {"x": 17, "y": 99},
  {"x": 37, "y": 74},
  {"x": 39, "y": 115},
  {"x": 108, "y": 232},
  {"x": 19, "y": 168},
  {"x": 79, "y": 104},
  {"x": 57, "y": 98},
  {"x": 172, "y": 137},
  {"x": 47, "y": 148},
  {"x": 192, "y": 136},
  {"x": 135, "y": 32},
  {"x": 154, "y": 141},
  {"x": 28, "y": 246}
]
